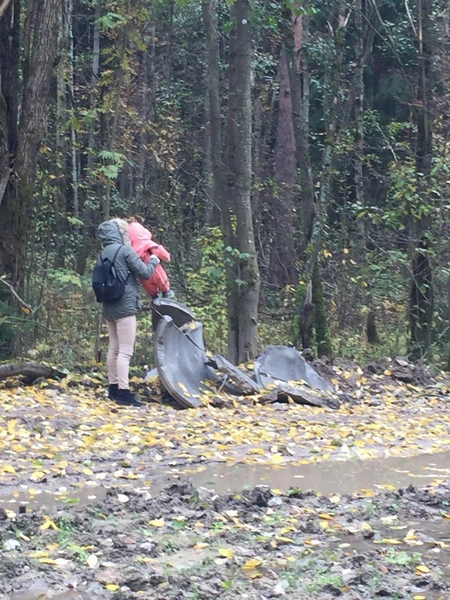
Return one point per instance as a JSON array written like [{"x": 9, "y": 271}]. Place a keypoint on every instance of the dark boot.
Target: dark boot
[
  {"x": 113, "y": 390},
  {"x": 169, "y": 294},
  {"x": 127, "y": 398}
]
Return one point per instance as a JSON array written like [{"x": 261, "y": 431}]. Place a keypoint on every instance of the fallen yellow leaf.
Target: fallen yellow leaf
[
  {"x": 38, "y": 554},
  {"x": 367, "y": 493},
  {"x": 47, "y": 561},
  {"x": 201, "y": 545},
  {"x": 157, "y": 523},
  {"x": 411, "y": 535},
  {"x": 277, "y": 459},
  {"x": 423, "y": 569},
  {"x": 252, "y": 563},
  {"x": 226, "y": 552},
  {"x": 49, "y": 524}
]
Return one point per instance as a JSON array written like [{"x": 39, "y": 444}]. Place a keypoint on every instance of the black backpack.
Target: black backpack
[{"x": 107, "y": 286}]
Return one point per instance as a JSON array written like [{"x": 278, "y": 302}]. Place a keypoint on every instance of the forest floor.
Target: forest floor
[{"x": 99, "y": 501}]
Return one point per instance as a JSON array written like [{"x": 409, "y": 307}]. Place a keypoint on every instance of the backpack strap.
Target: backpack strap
[
  {"x": 117, "y": 252},
  {"x": 114, "y": 260}
]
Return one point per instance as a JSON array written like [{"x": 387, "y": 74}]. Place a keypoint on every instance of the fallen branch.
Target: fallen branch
[{"x": 30, "y": 370}]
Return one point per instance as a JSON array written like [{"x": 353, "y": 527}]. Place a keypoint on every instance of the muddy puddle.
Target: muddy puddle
[{"x": 327, "y": 477}]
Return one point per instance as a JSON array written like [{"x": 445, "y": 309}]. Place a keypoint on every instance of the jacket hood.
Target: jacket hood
[
  {"x": 138, "y": 232},
  {"x": 114, "y": 231}
]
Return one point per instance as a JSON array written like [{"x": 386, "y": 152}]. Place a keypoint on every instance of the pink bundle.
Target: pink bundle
[{"x": 143, "y": 244}]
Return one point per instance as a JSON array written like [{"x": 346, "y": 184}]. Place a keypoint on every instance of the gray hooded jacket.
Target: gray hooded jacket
[{"x": 128, "y": 264}]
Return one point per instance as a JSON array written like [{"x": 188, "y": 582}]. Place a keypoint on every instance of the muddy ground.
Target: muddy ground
[
  {"x": 188, "y": 543},
  {"x": 158, "y": 503}
]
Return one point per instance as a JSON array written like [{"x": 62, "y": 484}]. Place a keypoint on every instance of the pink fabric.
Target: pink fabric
[
  {"x": 143, "y": 244},
  {"x": 122, "y": 335}
]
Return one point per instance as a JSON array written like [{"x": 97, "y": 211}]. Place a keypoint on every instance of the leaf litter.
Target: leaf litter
[{"x": 63, "y": 439}]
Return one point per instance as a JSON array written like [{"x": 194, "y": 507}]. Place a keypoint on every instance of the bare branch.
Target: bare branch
[
  {"x": 4, "y": 8},
  {"x": 387, "y": 30},
  {"x": 15, "y": 294},
  {"x": 411, "y": 22}
]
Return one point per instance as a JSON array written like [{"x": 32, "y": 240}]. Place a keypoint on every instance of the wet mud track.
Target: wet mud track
[{"x": 189, "y": 543}]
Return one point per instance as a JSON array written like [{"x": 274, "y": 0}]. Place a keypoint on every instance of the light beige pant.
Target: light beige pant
[{"x": 122, "y": 334}]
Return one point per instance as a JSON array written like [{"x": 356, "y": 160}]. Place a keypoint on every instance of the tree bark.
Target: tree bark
[
  {"x": 421, "y": 298},
  {"x": 209, "y": 8},
  {"x": 73, "y": 136},
  {"x": 321, "y": 328},
  {"x": 296, "y": 39},
  {"x": 145, "y": 110},
  {"x": 115, "y": 119},
  {"x": 332, "y": 89},
  {"x": 60, "y": 166},
  {"x": 371, "y": 325},
  {"x": 9, "y": 90},
  {"x": 30, "y": 370},
  {"x": 88, "y": 230},
  {"x": 282, "y": 258},
  {"x": 16, "y": 209},
  {"x": 248, "y": 276},
  {"x": 359, "y": 126}
]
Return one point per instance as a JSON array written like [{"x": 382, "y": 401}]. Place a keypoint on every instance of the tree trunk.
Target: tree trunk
[
  {"x": 145, "y": 108},
  {"x": 332, "y": 88},
  {"x": 248, "y": 276},
  {"x": 60, "y": 166},
  {"x": 371, "y": 325},
  {"x": 282, "y": 258},
  {"x": 209, "y": 8},
  {"x": 9, "y": 57},
  {"x": 17, "y": 206},
  {"x": 296, "y": 39},
  {"x": 4, "y": 148},
  {"x": 359, "y": 126},
  {"x": 88, "y": 230},
  {"x": 421, "y": 298},
  {"x": 321, "y": 328},
  {"x": 208, "y": 174},
  {"x": 115, "y": 119},
  {"x": 9, "y": 90},
  {"x": 73, "y": 136}
]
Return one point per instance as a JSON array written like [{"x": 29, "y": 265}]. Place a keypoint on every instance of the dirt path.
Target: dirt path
[{"x": 85, "y": 511}]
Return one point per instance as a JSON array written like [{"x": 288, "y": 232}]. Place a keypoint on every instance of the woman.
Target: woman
[{"x": 121, "y": 315}]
